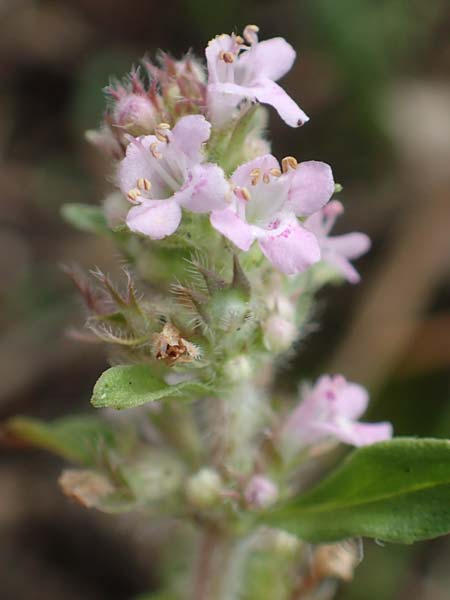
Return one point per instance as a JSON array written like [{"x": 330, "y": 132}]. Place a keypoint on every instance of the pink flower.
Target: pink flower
[
  {"x": 340, "y": 249},
  {"x": 163, "y": 173},
  {"x": 266, "y": 205},
  {"x": 237, "y": 71},
  {"x": 331, "y": 409},
  {"x": 260, "y": 492}
]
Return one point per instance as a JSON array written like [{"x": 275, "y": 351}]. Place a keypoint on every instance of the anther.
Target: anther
[
  {"x": 243, "y": 193},
  {"x": 288, "y": 162},
  {"x": 227, "y": 57},
  {"x": 154, "y": 150},
  {"x": 144, "y": 184},
  {"x": 266, "y": 178},
  {"x": 239, "y": 40},
  {"x": 275, "y": 172},
  {"x": 133, "y": 194},
  {"x": 251, "y": 34},
  {"x": 255, "y": 174},
  {"x": 160, "y": 132}
]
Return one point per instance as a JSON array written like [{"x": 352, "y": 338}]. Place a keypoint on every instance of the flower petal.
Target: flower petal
[
  {"x": 312, "y": 185},
  {"x": 291, "y": 248},
  {"x": 208, "y": 189},
  {"x": 155, "y": 218},
  {"x": 271, "y": 58},
  {"x": 217, "y": 68},
  {"x": 350, "y": 245},
  {"x": 341, "y": 264},
  {"x": 358, "y": 434},
  {"x": 136, "y": 163},
  {"x": 189, "y": 134},
  {"x": 269, "y": 92},
  {"x": 351, "y": 400},
  {"x": 232, "y": 227}
]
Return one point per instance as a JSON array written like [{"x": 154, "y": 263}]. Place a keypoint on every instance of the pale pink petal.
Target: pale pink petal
[
  {"x": 312, "y": 185},
  {"x": 136, "y": 163},
  {"x": 208, "y": 187},
  {"x": 351, "y": 400},
  {"x": 358, "y": 434},
  {"x": 241, "y": 175},
  {"x": 217, "y": 68},
  {"x": 269, "y": 92},
  {"x": 291, "y": 248},
  {"x": 271, "y": 58},
  {"x": 232, "y": 227},
  {"x": 266, "y": 92},
  {"x": 189, "y": 134},
  {"x": 350, "y": 245},
  {"x": 341, "y": 264},
  {"x": 155, "y": 218}
]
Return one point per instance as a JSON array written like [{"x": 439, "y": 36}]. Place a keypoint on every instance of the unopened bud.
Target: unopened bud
[
  {"x": 135, "y": 113},
  {"x": 284, "y": 543},
  {"x": 336, "y": 560},
  {"x": 279, "y": 333},
  {"x": 238, "y": 368},
  {"x": 203, "y": 489},
  {"x": 260, "y": 492}
]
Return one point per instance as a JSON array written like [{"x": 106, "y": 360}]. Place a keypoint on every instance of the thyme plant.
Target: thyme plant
[{"x": 226, "y": 247}]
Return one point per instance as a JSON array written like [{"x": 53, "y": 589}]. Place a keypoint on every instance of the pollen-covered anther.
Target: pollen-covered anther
[
  {"x": 144, "y": 184},
  {"x": 266, "y": 178},
  {"x": 154, "y": 150},
  {"x": 275, "y": 172},
  {"x": 227, "y": 57},
  {"x": 133, "y": 194},
  {"x": 161, "y": 132},
  {"x": 242, "y": 193},
  {"x": 251, "y": 34},
  {"x": 288, "y": 162},
  {"x": 239, "y": 40},
  {"x": 255, "y": 176}
]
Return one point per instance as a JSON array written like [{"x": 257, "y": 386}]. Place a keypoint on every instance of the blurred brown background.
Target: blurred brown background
[{"x": 374, "y": 77}]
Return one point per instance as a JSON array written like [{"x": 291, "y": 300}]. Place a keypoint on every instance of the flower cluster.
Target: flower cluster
[{"x": 172, "y": 129}]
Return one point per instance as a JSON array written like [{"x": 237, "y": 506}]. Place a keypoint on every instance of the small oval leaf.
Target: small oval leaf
[{"x": 128, "y": 386}]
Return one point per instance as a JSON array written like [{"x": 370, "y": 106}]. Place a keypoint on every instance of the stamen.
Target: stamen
[
  {"x": 242, "y": 193},
  {"x": 255, "y": 175},
  {"x": 144, "y": 184},
  {"x": 288, "y": 162},
  {"x": 154, "y": 150},
  {"x": 239, "y": 40},
  {"x": 251, "y": 34},
  {"x": 133, "y": 194},
  {"x": 275, "y": 172},
  {"x": 160, "y": 132},
  {"x": 266, "y": 178},
  {"x": 227, "y": 57}
]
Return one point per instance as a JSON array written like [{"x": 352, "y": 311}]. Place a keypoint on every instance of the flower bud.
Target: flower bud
[
  {"x": 279, "y": 333},
  {"x": 238, "y": 368},
  {"x": 284, "y": 543},
  {"x": 336, "y": 560},
  {"x": 135, "y": 113},
  {"x": 260, "y": 492},
  {"x": 204, "y": 488}
]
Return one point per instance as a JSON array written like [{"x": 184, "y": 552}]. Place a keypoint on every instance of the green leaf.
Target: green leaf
[
  {"x": 397, "y": 491},
  {"x": 73, "y": 438},
  {"x": 133, "y": 385},
  {"x": 85, "y": 217}
]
